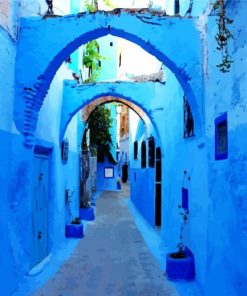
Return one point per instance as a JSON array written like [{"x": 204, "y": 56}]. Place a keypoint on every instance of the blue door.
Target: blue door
[{"x": 39, "y": 210}]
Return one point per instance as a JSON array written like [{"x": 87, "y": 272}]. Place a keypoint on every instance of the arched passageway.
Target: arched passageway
[
  {"x": 142, "y": 97},
  {"x": 53, "y": 40},
  {"x": 143, "y": 128}
]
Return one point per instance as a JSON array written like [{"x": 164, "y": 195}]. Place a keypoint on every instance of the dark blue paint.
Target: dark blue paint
[
  {"x": 185, "y": 198},
  {"x": 180, "y": 268},
  {"x": 219, "y": 121},
  {"x": 74, "y": 230}
]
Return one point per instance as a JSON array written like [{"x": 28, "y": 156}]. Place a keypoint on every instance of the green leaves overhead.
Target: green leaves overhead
[{"x": 99, "y": 123}]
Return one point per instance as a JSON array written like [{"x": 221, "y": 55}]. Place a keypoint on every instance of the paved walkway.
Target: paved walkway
[{"x": 112, "y": 258}]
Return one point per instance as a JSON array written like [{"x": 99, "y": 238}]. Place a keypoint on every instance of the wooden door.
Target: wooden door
[{"x": 40, "y": 210}]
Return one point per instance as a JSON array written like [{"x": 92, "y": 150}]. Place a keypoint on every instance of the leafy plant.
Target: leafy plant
[
  {"x": 99, "y": 123},
  {"x": 76, "y": 221},
  {"x": 223, "y": 35},
  {"x": 92, "y": 60},
  {"x": 92, "y": 5}
]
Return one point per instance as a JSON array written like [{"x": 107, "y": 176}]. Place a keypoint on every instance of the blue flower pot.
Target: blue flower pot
[
  {"x": 87, "y": 214},
  {"x": 74, "y": 230},
  {"x": 180, "y": 268}
]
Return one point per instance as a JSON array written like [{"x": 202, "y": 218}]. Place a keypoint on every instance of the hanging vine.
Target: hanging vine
[{"x": 223, "y": 35}]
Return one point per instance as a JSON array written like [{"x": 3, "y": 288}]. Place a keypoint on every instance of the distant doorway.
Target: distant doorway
[
  {"x": 40, "y": 207},
  {"x": 158, "y": 187}
]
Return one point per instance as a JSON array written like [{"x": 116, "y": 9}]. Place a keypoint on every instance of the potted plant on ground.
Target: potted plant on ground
[
  {"x": 86, "y": 211},
  {"x": 73, "y": 229},
  {"x": 180, "y": 265}
]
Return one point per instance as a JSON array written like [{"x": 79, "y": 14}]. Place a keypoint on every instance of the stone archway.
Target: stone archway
[
  {"x": 77, "y": 97},
  {"x": 51, "y": 41}
]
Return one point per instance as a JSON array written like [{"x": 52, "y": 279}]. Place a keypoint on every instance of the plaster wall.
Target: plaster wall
[
  {"x": 134, "y": 61},
  {"x": 63, "y": 176},
  {"x": 108, "y": 70},
  {"x": 178, "y": 155},
  {"x": 9, "y": 17},
  {"x": 16, "y": 182},
  {"x": 8, "y": 279},
  {"x": 227, "y": 214},
  {"x": 102, "y": 183},
  {"x": 73, "y": 31},
  {"x": 39, "y": 7},
  {"x": 198, "y": 6}
]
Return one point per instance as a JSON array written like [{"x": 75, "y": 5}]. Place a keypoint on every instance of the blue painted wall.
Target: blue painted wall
[
  {"x": 216, "y": 230},
  {"x": 143, "y": 196},
  {"x": 106, "y": 184}
]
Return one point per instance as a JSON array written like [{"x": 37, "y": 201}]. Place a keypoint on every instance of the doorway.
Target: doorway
[
  {"x": 158, "y": 187},
  {"x": 40, "y": 206}
]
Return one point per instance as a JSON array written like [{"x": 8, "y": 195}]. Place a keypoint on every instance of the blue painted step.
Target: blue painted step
[{"x": 87, "y": 214}]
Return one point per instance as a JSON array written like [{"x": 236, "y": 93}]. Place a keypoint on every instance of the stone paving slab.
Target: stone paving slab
[{"x": 112, "y": 259}]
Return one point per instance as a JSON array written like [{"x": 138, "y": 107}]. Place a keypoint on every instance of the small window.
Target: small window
[
  {"x": 151, "y": 152},
  {"x": 65, "y": 151},
  {"x": 120, "y": 60},
  {"x": 111, "y": 43},
  {"x": 221, "y": 137},
  {"x": 143, "y": 160},
  {"x": 135, "y": 149},
  {"x": 176, "y": 7},
  {"x": 188, "y": 120}
]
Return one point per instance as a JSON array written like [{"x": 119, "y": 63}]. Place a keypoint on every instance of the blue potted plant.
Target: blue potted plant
[
  {"x": 74, "y": 229},
  {"x": 180, "y": 265}
]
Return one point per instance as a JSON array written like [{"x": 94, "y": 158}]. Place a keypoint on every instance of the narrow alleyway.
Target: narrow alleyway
[{"x": 112, "y": 258}]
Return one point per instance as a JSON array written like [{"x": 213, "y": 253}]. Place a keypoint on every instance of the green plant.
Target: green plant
[
  {"x": 223, "y": 35},
  {"x": 76, "y": 221},
  {"x": 92, "y": 60},
  {"x": 99, "y": 123},
  {"x": 92, "y": 5}
]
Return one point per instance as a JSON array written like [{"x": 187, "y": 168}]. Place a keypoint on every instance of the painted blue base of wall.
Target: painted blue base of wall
[
  {"x": 87, "y": 214},
  {"x": 74, "y": 230},
  {"x": 143, "y": 197},
  {"x": 180, "y": 268}
]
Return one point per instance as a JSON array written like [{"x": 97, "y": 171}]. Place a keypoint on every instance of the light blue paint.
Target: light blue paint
[
  {"x": 109, "y": 64},
  {"x": 40, "y": 189},
  {"x": 76, "y": 97}
]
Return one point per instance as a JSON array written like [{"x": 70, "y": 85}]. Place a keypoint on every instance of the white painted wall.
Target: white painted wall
[{"x": 39, "y": 7}]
